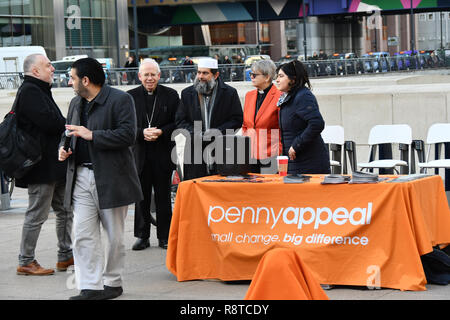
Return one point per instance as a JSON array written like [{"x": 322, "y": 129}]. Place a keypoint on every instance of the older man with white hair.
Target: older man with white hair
[
  {"x": 38, "y": 114},
  {"x": 206, "y": 105},
  {"x": 155, "y": 111}
]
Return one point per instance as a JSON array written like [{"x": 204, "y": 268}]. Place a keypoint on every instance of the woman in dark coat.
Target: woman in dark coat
[{"x": 300, "y": 122}]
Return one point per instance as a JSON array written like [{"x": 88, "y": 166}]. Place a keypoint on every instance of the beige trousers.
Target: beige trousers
[{"x": 92, "y": 268}]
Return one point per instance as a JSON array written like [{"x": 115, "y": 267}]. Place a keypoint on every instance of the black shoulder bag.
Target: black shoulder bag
[{"x": 19, "y": 151}]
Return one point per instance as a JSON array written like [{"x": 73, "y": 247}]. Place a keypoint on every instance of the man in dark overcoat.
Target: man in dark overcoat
[
  {"x": 208, "y": 106},
  {"x": 38, "y": 114},
  {"x": 102, "y": 179},
  {"x": 155, "y": 112}
]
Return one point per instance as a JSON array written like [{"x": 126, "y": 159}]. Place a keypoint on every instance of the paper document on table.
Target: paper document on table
[
  {"x": 296, "y": 178},
  {"x": 410, "y": 177}
]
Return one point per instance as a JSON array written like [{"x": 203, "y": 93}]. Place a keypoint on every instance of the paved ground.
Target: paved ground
[{"x": 145, "y": 277}]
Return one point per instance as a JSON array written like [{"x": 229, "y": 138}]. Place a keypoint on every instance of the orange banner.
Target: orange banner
[{"x": 348, "y": 234}]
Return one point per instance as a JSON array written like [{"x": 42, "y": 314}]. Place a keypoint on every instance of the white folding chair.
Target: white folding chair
[
  {"x": 393, "y": 134},
  {"x": 335, "y": 135},
  {"x": 437, "y": 133}
]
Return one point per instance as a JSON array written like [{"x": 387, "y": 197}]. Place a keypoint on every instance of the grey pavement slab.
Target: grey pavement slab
[{"x": 145, "y": 276}]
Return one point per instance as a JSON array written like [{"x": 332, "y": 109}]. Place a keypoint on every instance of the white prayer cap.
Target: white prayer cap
[{"x": 207, "y": 63}]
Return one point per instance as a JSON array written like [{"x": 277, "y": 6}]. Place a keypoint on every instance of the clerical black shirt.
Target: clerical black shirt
[
  {"x": 260, "y": 98},
  {"x": 149, "y": 104}
]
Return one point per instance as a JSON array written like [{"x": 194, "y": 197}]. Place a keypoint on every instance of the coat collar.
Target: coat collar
[
  {"x": 159, "y": 102},
  {"x": 144, "y": 91},
  {"x": 99, "y": 99},
  {"x": 285, "y": 98},
  {"x": 103, "y": 94},
  {"x": 266, "y": 102},
  {"x": 41, "y": 84}
]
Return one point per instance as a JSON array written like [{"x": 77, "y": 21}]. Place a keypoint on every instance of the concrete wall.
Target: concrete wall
[
  {"x": 356, "y": 103},
  {"x": 360, "y": 104}
]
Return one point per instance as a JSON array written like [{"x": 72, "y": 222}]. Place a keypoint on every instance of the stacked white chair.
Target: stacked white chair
[
  {"x": 438, "y": 133},
  {"x": 335, "y": 135},
  {"x": 392, "y": 134}
]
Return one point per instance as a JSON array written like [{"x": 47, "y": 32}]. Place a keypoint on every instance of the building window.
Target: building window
[
  {"x": 431, "y": 16},
  {"x": 21, "y": 23},
  {"x": 16, "y": 32},
  {"x": 422, "y": 17},
  {"x": 16, "y": 8},
  {"x": 85, "y": 8},
  {"x": 89, "y": 31},
  {"x": 4, "y": 10}
]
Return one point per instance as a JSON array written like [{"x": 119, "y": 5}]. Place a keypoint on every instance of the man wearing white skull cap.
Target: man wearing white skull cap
[{"x": 207, "y": 108}]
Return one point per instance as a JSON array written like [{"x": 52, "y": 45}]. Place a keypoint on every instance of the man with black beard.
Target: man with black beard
[
  {"x": 207, "y": 107},
  {"x": 101, "y": 180}
]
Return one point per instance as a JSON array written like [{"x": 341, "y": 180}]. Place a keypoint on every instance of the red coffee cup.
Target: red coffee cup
[{"x": 282, "y": 162}]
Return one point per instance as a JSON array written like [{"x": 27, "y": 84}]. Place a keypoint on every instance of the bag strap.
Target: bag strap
[{"x": 13, "y": 108}]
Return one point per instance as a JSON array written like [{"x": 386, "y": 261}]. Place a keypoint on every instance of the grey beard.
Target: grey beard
[{"x": 204, "y": 87}]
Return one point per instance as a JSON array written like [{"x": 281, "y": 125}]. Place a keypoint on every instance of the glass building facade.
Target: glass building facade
[
  {"x": 65, "y": 27},
  {"x": 91, "y": 32},
  {"x": 22, "y": 22}
]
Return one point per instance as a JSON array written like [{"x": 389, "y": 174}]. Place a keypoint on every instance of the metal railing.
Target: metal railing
[
  {"x": 241, "y": 72},
  {"x": 10, "y": 80}
]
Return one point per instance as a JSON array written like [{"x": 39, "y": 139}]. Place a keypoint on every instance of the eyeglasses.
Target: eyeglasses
[
  {"x": 149, "y": 75},
  {"x": 253, "y": 75}
]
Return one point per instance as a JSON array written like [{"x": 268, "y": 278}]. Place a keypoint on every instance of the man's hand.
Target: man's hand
[
  {"x": 292, "y": 153},
  {"x": 152, "y": 134},
  {"x": 63, "y": 154},
  {"x": 79, "y": 131}
]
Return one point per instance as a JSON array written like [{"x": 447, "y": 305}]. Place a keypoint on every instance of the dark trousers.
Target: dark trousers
[
  {"x": 160, "y": 180},
  {"x": 40, "y": 198}
]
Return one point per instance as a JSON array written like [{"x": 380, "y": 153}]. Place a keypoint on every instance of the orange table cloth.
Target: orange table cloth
[
  {"x": 282, "y": 275},
  {"x": 348, "y": 234}
]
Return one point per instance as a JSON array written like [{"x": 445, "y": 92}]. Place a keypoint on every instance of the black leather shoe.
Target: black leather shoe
[
  {"x": 87, "y": 294},
  {"x": 141, "y": 244},
  {"x": 112, "y": 292},
  {"x": 162, "y": 243}
]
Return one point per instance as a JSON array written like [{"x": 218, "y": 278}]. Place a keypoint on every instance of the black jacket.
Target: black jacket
[
  {"x": 226, "y": 112},
  {"x": 166, "y": 105},
  {"x": 301, "y": 124},
  {"x": 38, "y": 114},
  {"x": 112, "y": 119}
]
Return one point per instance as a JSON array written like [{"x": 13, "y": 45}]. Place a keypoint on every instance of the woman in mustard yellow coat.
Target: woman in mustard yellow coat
[{"x": 261, "y": 116}]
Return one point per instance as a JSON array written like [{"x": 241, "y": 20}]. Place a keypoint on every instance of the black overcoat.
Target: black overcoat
[
  {"x": 112, "y": 120},
  {"x": 166, "y": 105},
  {"x": 226, "y": 114},
  {"x": 38, "y": 114}
]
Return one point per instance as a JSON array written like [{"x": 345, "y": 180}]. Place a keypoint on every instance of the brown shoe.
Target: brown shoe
[
  {"x": 34, "y": 269},
  {"x": 63, "y": 265}
]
